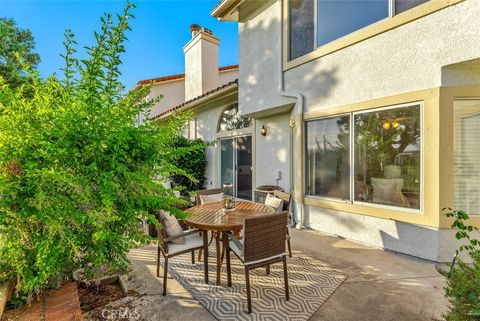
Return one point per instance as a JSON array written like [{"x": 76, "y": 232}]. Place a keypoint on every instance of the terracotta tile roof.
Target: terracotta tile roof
[
  {"x": 178, "y": 76},
  {"x": 196, "y": 98}
]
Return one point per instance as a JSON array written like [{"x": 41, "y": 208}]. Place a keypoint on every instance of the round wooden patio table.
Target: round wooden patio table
[{"x": 210, "y": 217}]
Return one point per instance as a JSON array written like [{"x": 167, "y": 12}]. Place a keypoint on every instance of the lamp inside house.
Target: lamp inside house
[
  {"x": 263, "y": 130},
  {"x": 390, "y": 124}
]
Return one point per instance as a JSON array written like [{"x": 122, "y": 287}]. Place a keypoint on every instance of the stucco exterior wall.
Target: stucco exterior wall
[
  {"x": 425, "y": 53},
  {"x": 428, "y": 243},
  {"x": 201, "y": 65},
  {"x": 259, "y": 60},
  {"x": 173, "y": 92},
  {"x": 273, "y": 151},
  {"x": 206, "y": 123},
  {"x": 404, "y": 59},
  {"x": 206, "y": 119},
  {"x": 226, "y": 76}
]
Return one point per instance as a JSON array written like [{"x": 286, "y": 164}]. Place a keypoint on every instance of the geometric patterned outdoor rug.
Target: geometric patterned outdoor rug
[{"x": 311, "y": 284}]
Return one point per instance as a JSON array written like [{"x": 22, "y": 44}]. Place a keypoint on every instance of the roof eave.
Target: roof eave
[
  {"x": 200, "y": 101},
  {"x": 227, "y": 10}
]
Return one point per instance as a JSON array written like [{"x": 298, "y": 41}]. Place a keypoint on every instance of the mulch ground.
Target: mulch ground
[{"x": 92, "y": 298}]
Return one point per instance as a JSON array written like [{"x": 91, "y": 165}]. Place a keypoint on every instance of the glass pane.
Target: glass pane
[
  {"x": 244, "y": 167},
  {"x": 387, "y": 157},
  {"x": 467, "y": 156},
  {"x": 231, "y": 119},
  {"x": 337, "y": 18},
  {"x": 227, "y": 169},
  {"x": 404, "y": 5},
  {"x": 302, "y": 28},
  {"x": 328, "y": 165}
]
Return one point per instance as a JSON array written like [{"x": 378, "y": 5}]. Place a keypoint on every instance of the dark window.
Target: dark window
[
  {"x": 404, "y": 5},
  {"x": 302, "y": 27},
  {"x": 231, "y": 119},
  {"x": 338, "y": 18},
  {"x": 328, "y": 165},
  {"x": 314, "y": 23}
]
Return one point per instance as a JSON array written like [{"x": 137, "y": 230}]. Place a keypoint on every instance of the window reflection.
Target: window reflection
[
  {"x": 336, "y": 19},
  {"x": 231, "y": 119},
  {"x": 387, "y": 157},
  {"x": 328, "y": 165},
  {"x": 302, "y": 34}
]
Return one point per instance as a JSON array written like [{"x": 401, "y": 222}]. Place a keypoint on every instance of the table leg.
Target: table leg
[{"x": 219, "y": 253}]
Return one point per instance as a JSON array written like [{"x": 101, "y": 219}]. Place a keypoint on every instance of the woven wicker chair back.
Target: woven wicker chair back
[{"x": 264, "y": 236}]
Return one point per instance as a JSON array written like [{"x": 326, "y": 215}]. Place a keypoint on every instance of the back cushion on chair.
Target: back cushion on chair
[
  {"x": 172, "y": 227},
  {"x": 388, "y": 191},
  {"x": 274, "y": 202},
  {"x": 212, "y": 198}
]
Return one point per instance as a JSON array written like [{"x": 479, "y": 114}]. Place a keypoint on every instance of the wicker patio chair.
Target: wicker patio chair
[
  {"x": 194, "y": 240},
  {"x": 287, "y": 206},
  {"x": 198, "y": 202},
  {"x": 206, "y": 192},
  {"x": 263, "y": 244}
]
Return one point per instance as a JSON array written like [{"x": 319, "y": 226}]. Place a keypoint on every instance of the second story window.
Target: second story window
[{"x": 314, "y": 23}]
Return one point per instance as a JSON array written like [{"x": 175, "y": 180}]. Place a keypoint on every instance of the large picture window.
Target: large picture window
[
  {"x": 314, "y": 23},
  {"x": 368, "y": 157},
  {"x": 387, "y": 157},
  {"x": 328, "y": 157}
]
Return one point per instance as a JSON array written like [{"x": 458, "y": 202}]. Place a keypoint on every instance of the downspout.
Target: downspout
[{"x": 296, "y": 130}]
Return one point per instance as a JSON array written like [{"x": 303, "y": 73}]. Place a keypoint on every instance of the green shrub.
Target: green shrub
[
  {"x": 193, "y": 161},
  {"x": 463, "y": 281},
  {"x": 76, "y": 173}
]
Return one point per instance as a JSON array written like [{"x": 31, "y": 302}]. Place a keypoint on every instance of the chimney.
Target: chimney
[{"x": 201, "y": 62}]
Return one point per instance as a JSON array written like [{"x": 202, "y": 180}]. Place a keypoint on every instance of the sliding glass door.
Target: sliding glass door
[{"x": 236, "y": 164}]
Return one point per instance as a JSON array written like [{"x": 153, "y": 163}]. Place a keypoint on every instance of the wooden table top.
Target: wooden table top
[{"x": 211, "y": 217}]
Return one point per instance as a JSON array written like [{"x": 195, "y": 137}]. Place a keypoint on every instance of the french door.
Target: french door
[{"x": 236, "y": 165}]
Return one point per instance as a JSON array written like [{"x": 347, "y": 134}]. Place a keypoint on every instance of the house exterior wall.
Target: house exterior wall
[
  {"x": 410, "y": 62},
  {"x": 201, "y": 65},
  {"x": 174, "y": 91},
  {"x": 206, "y": 123},
  {"x": 226, "y": 76},
  {"x": 407, "y": 58},
  {"x": 273, "y": 151},
  {"x": 173, "y": 94}
]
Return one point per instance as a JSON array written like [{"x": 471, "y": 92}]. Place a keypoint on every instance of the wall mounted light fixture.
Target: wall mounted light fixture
[{"x": 263, "y": 130}]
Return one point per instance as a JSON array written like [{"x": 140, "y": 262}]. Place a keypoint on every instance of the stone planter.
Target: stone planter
[{"x": 6, "y": 291}]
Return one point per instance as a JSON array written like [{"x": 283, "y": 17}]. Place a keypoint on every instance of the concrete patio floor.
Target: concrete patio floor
[{"x": 381, "y": 286}]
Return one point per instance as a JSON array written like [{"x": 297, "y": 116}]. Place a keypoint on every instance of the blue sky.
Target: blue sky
[{"x": 154, "y": 49}]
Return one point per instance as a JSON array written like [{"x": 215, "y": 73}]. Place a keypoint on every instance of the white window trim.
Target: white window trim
[{"x": 352, "y": 158}]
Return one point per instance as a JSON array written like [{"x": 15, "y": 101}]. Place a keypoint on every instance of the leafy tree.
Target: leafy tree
[
  {"x": 16, "y": 53},
  {"x": 76, "y": 173},
  {"x": 192, "y": 160}
]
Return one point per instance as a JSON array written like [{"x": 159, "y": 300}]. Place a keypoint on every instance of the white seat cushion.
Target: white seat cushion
[
  {"x": 213, "y": 198},
  {"x": 274, "y": 202},
  {"x": 191, "y": 241}
]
